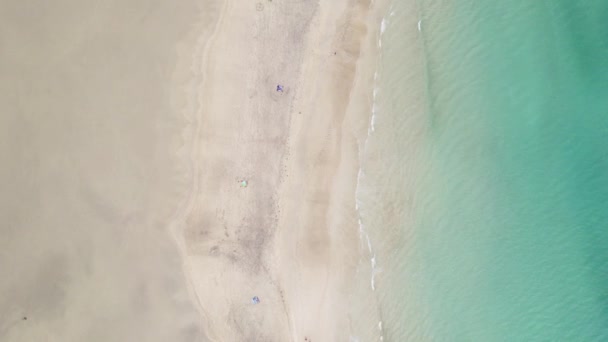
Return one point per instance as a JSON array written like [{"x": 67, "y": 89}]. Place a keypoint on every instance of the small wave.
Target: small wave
[
  {"x": 373, "y": 278},
  {"x": 363, "y": 235},
  {"x": 372, "y": 124}
]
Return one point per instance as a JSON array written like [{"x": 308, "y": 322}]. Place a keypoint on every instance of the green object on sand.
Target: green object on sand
[{"x": 243, "y": 184}]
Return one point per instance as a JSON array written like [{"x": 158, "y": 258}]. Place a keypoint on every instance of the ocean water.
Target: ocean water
[{"x": 484, "y": 184}]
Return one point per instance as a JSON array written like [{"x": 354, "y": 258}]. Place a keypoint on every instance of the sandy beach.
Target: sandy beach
[
  {"x": 168, "y": 164},
  {"x": 290, "y": 236}
]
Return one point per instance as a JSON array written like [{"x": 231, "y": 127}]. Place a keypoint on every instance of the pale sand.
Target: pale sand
[
  {"x": 127, "y": 127},
  {"x": 291, "y": 236},
  {"x": 89, "y": 172}
]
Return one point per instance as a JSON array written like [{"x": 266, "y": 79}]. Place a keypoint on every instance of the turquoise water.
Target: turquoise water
[{"x": 490, "y": 201}]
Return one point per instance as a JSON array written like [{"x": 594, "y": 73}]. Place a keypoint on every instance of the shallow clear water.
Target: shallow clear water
[{"x": 485, "y": 187}]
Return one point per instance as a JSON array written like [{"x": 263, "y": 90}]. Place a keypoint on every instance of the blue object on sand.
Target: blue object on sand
[
  {"x": 255, "y": 300},
  {"x": 279, "y": 88}
]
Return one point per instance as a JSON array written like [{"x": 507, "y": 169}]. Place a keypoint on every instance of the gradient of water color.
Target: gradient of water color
[{"x": 485, "y": 180}]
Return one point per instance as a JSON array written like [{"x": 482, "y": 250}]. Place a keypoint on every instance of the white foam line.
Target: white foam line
[
  {"x": 373, "y": 122},
  {"x": 358, "y": 204},
  {"x": 361, "y": 232},
  {"x": 371, "y": 128},
  {"x": 372, "y": 125},
  {"x": 419, "y": 23},
  {"x": 363, "y": 235},
  {"x": 373, "y": 279}
]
